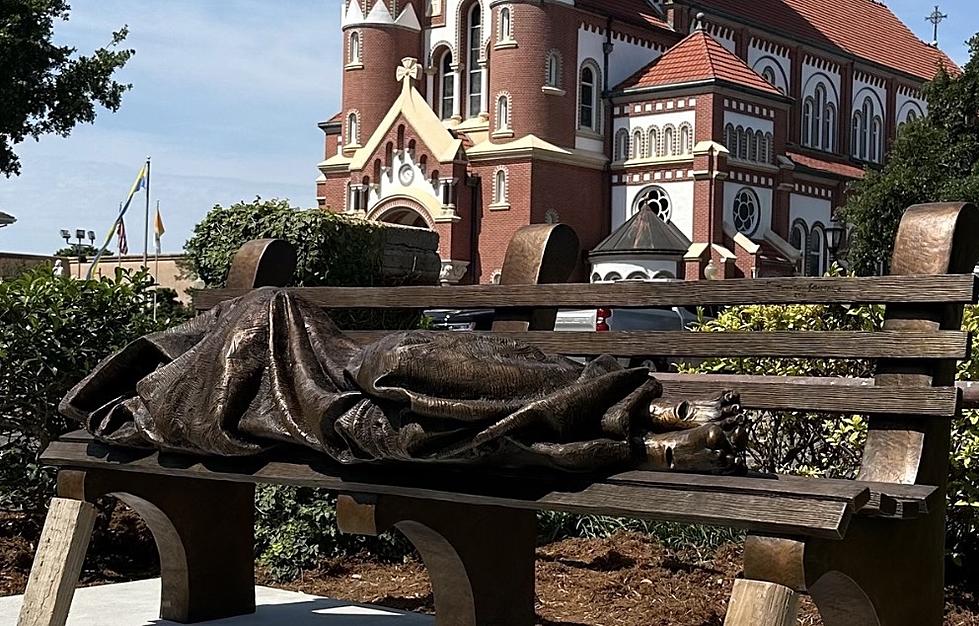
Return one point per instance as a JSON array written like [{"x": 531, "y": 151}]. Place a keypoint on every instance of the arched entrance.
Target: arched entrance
[{"x": 404, "y": 216}]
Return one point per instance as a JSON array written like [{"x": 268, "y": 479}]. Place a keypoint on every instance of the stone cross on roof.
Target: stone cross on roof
[{"x": 407, "y": 71}]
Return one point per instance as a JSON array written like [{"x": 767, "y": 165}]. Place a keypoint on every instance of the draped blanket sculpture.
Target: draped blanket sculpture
[{"x": 271, "y": 368}]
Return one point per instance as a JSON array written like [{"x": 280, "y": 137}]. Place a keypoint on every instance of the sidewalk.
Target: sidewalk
[{"x": 137, "y": 604}]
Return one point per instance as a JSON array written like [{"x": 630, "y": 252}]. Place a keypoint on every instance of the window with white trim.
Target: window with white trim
[
  {"x": 500, "y": 187},
  {"x": 447, "y": 85},
  {"x": 798, "y": 239},
  {"x": 622, "y": 145},
  {"x": 653, "y": 142},
  {"x": 552, "y": 74},
  {"x": 589, "y": 90},
  {"x": 506, "y": 29},
  {"x": 817, "y": 250},
  {"x": 354, "y": 48},
  {"x": 867, "y": 134},
  {"x": 637, "y": 150},
  {"x": 819, "y": 119},
  {"x": 474, "y": 70},
  {"x": 353, "y": 128},
  {"x": 502, "y": 112}
]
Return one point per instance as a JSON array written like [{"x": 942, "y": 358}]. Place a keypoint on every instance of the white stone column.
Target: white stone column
[
  {"x": 457, "y": 70},
  {"x": 484, "y": 99},
  {"x": 430, "y": 88}
]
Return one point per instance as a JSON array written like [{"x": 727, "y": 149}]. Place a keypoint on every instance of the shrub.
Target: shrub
[
  {"x": 821, "y": 445},
  {"x": 53, "y": 331},
  {"x": 331, "y": 249}
]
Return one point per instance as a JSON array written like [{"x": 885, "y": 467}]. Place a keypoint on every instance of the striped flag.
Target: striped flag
[
  {"x": 158, "y": 228},
  {"x": 123, "y": 243},
  {"x": 138, "y": 184}
]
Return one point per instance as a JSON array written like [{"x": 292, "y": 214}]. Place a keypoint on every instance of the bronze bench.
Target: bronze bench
[{"x": 868, "y": 551}]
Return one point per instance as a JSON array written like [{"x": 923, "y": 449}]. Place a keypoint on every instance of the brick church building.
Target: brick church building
[{"x": 736, "y": 124}]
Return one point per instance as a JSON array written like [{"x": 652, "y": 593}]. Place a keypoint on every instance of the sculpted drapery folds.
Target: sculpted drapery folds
[{"x": 271, "y": 369}]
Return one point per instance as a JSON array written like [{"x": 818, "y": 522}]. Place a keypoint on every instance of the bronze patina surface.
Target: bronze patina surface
[{"x": 271, "y": 368}]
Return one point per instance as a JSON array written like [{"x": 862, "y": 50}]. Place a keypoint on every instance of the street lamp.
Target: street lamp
[
  {"x": 834, "y": 238},
  {"x": 80, "y": 234}
]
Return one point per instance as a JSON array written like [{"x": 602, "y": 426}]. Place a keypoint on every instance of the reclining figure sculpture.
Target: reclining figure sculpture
[{"x": 271, "y": 368}]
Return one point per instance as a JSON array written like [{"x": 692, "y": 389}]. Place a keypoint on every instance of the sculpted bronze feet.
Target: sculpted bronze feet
[{"x": 700, "y": 436}]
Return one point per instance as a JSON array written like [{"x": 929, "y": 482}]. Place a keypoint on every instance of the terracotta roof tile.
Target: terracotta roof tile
[
  {"x": 825, "y": 165},
  {"x": 863, "y": 28},
  {"x": 698, "y": 58},
  {"x": 634, "y": 11}
]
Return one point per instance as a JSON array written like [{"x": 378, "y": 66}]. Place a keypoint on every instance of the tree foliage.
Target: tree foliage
[
  {"x": 934, "y": 159},
  {"x": 47, "y": 88},
  {"x": 331, "y": 249},
  {"x": 53, "y": 331},
  {"x": 821, "y": 445}
]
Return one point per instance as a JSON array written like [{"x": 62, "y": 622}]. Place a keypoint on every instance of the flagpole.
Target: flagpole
[
  {"x": 156, "y": 271},
  {"x": 118, "y": 248},
  {"x": 146, "y": 223}
]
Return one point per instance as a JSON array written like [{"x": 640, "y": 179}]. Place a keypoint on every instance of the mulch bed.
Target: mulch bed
[{"x": 626, "y": 580}]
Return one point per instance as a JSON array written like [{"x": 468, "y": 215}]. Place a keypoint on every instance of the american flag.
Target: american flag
[{"x": 121, "y": 234}]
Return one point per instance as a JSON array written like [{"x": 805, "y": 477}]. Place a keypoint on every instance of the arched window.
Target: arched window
[
  {"x": 475, "y": 37},
  {"x": 622, "y": 145},
  {"x": 819, "y": 113},
  {"x": 653, "y": 142},
  {"x": 401, "y": 137},
  {"x": 769, "y": 74},
  {"x": 747, "y": 212},
  {"x": 588, "y": 98},
  {"x": 877, "y": 140},
  {"x": 447, "y": 82},
  {"x": 552, "y": 217},
  {"x": 762, "y": 156},
  {"x": 500, "y": 187},
  {"x": 731, "y": 139},
  {"x": 669, "y": 141},
  {"x": 742, "y": 152},
  {"x": 354, "y": 47},
  {"x": 638, "y": 150},
  {"x": 353, "y": 129},
  {"x": 770, "y": 145},
  {"x": 502, "y": 113},
  {"x": 807, "y": 109},
  {"x": 912, "y": 116},
  {"x": 637, "y": 276},
  {"x": 855, "y": 134},
  {"x": 613, "y": 277},
  {"x": 752, "y": 146},
  {"x": 798, "y": 239},
  {"x": 867, "y": 120},
  {"x": 505, "y": 33},
  {"x": 596, "y": 277},
  {"x": 829, "y": 127},
  {"x": 655, "y": 199},
  {"x": 817, "y": 250},
  {"x": 553, "y": 73},
  {"x": 686, "y": 141}
]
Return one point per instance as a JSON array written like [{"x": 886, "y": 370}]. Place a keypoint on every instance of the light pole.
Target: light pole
[{"x": 80, "y": 235}]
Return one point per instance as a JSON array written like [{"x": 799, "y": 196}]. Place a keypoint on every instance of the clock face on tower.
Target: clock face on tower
[{"x": 406, "y": 174}]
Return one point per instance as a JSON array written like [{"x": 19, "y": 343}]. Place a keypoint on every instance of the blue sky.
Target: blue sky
[{"x": 226, "y": 96}]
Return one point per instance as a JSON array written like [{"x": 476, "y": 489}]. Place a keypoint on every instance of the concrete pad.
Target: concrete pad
[{"x": 138, "y": 604}]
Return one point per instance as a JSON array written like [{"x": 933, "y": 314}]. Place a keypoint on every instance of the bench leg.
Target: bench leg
[
  {"x": 204, "y": 532},
  {"x": 480, "y": 558},
  {"x": 757, "y": 603},
  {"x": 58, "y": 563},
  {"x": 884, "y": 573}
]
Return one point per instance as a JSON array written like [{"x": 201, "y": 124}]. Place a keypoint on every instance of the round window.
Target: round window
[
  {"x": 746, "y": 212},
  {"x": 655, "y": 199}
]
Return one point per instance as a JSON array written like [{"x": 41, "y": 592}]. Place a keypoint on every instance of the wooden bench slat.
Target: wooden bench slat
[
  {"x": 942, "y": 344},
  {"x": 787, "y": 395},
  {"x": 769, "y": 513},
  {"x": 961, "y": 289}
]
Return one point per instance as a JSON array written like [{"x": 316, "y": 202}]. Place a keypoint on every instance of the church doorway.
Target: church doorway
[{"x": 404, "y": 216}]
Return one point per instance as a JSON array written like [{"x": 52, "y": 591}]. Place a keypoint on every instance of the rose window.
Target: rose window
[
  {"x": 657, "y": 200},
  {"x": 746, "y": 212}
]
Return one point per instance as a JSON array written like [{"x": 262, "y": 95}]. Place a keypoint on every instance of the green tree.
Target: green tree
[
  {"x": 47, "y": 88},
  {"x": 934, "y": 159}
]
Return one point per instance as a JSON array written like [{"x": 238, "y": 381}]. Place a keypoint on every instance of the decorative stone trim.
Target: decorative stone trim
[
  {"x": 552, "y": 91},
  {"x": 353, "y": 66},
  {"x": 452, "y": 271}
]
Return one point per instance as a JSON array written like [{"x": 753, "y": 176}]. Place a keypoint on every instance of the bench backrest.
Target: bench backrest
[{"x": 909, "y": 402}]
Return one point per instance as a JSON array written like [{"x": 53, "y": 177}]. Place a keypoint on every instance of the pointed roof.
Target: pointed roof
[
  {"x": 697, "y": 59},
  {"x": 865, "y": 29},
  {"x": 643, "y": 233}
]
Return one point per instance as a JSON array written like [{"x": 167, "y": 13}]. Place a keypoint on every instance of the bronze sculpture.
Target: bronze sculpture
[{"x": 271, "y": 368}]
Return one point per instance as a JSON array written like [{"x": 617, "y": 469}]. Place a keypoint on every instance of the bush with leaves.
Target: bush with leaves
[
  {"x": 53, "y": 331},
  {"x": 820, "y": 445},
  {"x": 331, "y": 249}
]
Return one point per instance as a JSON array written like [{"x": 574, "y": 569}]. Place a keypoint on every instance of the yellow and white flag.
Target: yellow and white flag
[{"x": 158, "y": 228}]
